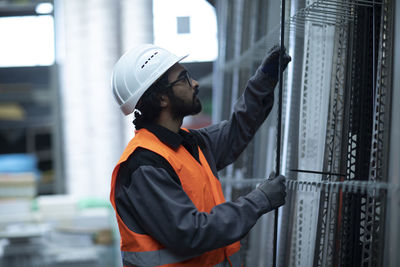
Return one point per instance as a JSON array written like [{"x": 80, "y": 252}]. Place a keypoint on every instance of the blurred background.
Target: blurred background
[{"x": 61, "y": 132}]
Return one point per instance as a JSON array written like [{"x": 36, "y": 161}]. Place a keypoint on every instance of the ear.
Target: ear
[{"x": 164, "y": 101}]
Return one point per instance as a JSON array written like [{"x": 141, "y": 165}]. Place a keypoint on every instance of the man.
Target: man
[{"x": 165, "y": 189}]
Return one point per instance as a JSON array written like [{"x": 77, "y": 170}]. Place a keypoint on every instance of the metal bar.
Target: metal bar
[
  {"x": 344, "y": 4},
  {"x": 347, "y": 186},
  {"x": 365, "y": 3},
  {"x": 330, "y": 11},
  {"x": 301, "y": 21},
  {"x": 333, "y": 6},
  {"x": 392, "y": 234},
  {"x": 342, "y": 8},
  {"x": 373, "y": 55},
  {"x": 318, "y": 20},
  {"x": 318, "y": 172},
  {"x": 279, "y": 130},
  {"x": 321, "y": 19},
  {"x": 316, "y": 13}
]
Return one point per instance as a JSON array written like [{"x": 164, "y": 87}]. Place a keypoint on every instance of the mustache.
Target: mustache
[{"x": 196, "y": 91}]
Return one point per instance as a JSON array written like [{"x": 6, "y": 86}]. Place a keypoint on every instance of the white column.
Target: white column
[
  {"x": 95, "y": 131},
  {"x": 136, "y": 28},
  {"x": 91, "y": 120}
]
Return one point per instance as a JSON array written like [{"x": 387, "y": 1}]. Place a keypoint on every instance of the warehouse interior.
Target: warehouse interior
[{"x": 61, "y": 133}]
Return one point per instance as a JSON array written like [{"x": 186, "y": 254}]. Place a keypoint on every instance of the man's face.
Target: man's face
[{"x": 184, "y": 99}]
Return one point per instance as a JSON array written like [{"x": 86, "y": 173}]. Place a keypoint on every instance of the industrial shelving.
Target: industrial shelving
[
  {"x": 336, "y": 107},
  {"x": 37, "y": 129}
]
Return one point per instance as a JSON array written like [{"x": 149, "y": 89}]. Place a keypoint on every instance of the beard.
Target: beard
[{"x": 181, "y": 109}]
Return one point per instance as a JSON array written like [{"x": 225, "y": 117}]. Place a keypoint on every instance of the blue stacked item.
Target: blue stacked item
[{"x": 18, "y": 163}]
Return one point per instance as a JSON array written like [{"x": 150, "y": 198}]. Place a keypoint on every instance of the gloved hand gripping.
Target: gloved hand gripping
[
  {"x": 270, "y": 64},
  {"x": 274, "y": 189}
]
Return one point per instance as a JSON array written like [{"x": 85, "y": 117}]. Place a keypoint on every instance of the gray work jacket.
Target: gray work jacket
[{"x": 150, "y": 199}]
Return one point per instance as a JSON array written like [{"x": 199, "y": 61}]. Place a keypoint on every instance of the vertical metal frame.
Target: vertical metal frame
[
  {"x": 392, "y": 233},
  {"x": 316, "y": 84},
  {"x": 328, "y": 222},
  {"x": 218, "y": 76},
  {"x": 327, "y": 226},
  {"x": 372, "y": 251}
]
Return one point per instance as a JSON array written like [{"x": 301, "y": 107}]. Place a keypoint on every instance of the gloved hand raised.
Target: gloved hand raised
[
  {"x": 274, "y": 189},
  {"x": 270, "y": 64}
]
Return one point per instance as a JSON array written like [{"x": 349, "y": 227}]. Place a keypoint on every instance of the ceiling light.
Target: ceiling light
[{"x": 44, "y": 8}]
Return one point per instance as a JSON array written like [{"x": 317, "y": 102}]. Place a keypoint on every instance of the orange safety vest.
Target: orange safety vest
[{"x": 204, "y": 190}]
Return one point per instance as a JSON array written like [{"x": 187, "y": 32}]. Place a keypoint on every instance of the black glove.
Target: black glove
[
  {"x": 270, "y": 64},
  {"x": 274, "y": 189}
]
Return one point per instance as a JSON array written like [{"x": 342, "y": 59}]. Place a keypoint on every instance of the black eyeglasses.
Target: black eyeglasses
[{"x": 184, "y": 76}]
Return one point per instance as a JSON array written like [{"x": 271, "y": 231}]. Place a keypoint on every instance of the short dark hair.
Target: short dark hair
[{"x": 149, "y": 105}]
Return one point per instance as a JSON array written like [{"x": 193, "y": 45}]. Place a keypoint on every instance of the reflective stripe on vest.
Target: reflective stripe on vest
[
  {"x": 201, "y": 186},
  {"x": 151, "y": 258},
  {"x": 163, "y": 256}
]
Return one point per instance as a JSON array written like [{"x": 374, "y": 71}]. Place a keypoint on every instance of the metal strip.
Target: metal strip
[
  {"x": 279, "y": 125},
  {"x": 347, "y": 186}
]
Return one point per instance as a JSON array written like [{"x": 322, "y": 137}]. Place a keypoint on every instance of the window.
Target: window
[
  {"x": 186, "y": 27},
  {"x": 183, "y": 25},
  {"x": 27, "y": 41}
]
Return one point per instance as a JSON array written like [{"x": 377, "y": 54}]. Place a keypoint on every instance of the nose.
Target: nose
[{"x": 195, "y": 83}]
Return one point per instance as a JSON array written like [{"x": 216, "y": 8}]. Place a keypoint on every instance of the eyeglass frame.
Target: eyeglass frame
[{"x": 185, "y": 76}]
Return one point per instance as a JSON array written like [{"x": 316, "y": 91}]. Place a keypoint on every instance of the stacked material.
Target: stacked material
[
  {"x": 17, "y": 176},
  {"x": 17, "y": 185}
]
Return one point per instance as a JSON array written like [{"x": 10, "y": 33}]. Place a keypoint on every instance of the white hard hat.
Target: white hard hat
[{"x": 137, "y": 70}]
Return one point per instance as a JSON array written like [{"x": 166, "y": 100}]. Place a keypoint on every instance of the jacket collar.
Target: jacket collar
[{"x": 167, "y": 136}]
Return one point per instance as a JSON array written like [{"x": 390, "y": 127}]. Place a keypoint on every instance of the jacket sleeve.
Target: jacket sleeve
[
  {"x": 229, "y": 138},
  {"x": 167, "y": 214}
]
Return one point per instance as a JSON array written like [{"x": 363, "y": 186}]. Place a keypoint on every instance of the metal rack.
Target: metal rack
[
  {"x": 336, "y": 98},
  {"x": 329, "y": 12},
  {"x": 350, "y": 186},
  {"x": 336, "y": 13}
]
